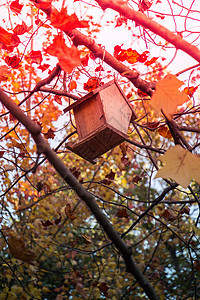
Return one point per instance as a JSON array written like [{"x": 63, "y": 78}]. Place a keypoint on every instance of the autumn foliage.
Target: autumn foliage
[{"x": 126, "y": 227}]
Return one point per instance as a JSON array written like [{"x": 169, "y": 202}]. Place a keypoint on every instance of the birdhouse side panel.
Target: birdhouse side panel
[
  {"x": 89, "y": 116},
  {"x": 117, "y": 111}
]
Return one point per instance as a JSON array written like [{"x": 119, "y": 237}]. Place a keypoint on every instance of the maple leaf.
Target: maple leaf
[
  {"x": 5, "y": 37},
  {"x": 86, "y": 239},
  {"x": 72, "y": 85},
  {"x": 13, "y": 61},
  {"x": 180, "y": 165},
  {"x": 4, "y": 73},
  {"x": 190, "y": 90},
  {"x": 21, "y": 29},
  {"x": 49, "y": 134},
  {"x": 16, "y": 7},
  {"x": 58, "y": 99},
  {"x": 69, "y": 212},
  {"x": 36, "y": 57},
  {"x": 45, "y": 5},
  {"x": 122, "y": 213},
  {"x": 104, "y": 288},
  {"x": 167, "y": 96},
  {"x": 61, "y": 20},
  {"x": 17, "y": 247},
  {"x": 151, "y": 61},
  {"x": 120, "y": 21},
  {"x": 47, "y": 223},
  {"x": 44, "y": 67},
  {"x": 165, "y": 132},
  {"x": 68, "y": 58},
  {"x": 92, "y": 84}
]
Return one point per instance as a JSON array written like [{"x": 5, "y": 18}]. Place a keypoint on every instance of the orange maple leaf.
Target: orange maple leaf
[
  {"x": 61, "y": 20},
  {"x": 167, "y": 96},
  {"x": 68, "y": 58}
]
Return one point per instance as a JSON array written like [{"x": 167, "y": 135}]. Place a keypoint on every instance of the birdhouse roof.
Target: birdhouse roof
[{"x": 97, "y": 90}]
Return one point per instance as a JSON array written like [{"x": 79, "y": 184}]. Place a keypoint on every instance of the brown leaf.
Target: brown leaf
[
  {"x": 185, "y": 210},
  {"x": 39, "y": 186},
  {"x": 46, "y": 188},
  {"x": 49, "y": 134},
  {"x": 71, "y": 215},
  {"x": 17, "y": 247},
  {"x": 87, "y": 239},
  {"x": 137, "y": 178},
  {"x": 166, "y": 213},
  {"x": 125, "y": 161},
  {"x": 106, "y": 181},
  {"x": 57, "y": 221},
  {"x": 47, "y": 223},
  {"x": 1, "y": 153},
  {"x": 104, "y": 288},
  {"x": 76, "y": 172},
  {"x": 122, "y": 213},
  {"x": 124, "y": 148},
  {"x": 111, "y": 175}
]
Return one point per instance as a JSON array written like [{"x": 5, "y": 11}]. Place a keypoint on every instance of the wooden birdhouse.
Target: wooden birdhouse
[{"x": 102, "y": 119}]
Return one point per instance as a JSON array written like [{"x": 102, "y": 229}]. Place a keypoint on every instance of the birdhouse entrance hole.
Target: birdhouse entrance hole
[{"x": 102, "y": 118}]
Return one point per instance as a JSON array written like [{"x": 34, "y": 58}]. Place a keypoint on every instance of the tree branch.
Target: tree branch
[
  {"x": 43, "y": 147},
  {"x": 144, "y": 21}
]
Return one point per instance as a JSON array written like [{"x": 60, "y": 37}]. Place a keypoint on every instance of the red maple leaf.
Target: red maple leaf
[
  {"x": 16, "y": 7},
  {"x": 91, "y": 84},
  {"x": 36, "y": 56},
  {"x": 120, "y": 53},
  {"x": 61, "y": 20},
  {"x": 8, "y": 40},
  {"x": 43, "y": 4},
  {"x": 68, "y": 58},
  {"x": 120, "y": 21},
  {"x": 13, "y": 61},
  {"x": 21, "y": 29},
  {"x": 44, "y": 67}
]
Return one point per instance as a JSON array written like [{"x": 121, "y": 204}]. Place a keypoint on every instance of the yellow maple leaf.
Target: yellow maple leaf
[
  {"x": 180, "y": 165},
  {"x": 167, "y": 96}
]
